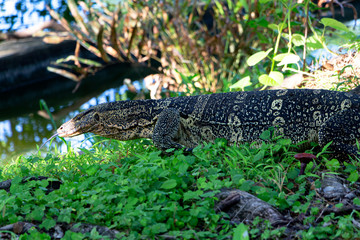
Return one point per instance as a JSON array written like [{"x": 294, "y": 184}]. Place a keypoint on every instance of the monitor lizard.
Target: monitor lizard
[{"x": 184, "y": 122}]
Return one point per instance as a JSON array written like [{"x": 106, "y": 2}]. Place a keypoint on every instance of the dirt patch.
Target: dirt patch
[{"x": 339, "y": 72}]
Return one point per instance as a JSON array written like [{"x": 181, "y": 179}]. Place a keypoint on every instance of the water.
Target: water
[{"x": 24, "y": 134}]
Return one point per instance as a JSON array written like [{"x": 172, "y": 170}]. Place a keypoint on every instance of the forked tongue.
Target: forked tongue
[{"x": 55, "y": 135}]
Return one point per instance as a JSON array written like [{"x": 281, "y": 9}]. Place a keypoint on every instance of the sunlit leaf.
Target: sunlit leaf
[
  {"x": 313, "y": 43},
  {"x": 273, "y": 26},
  {"x": 330, "y": 22},
  {"x": 280, "y": 56},
  {"x": 241, "y": 232},
  {"x": 257, "y": 57},
  {"x": 289, "y": 59},
  {"x": 220, "y": 8},
  {"x": 242, "y": 83},
  {"x": 276, "y": 27},
  {"x": 277, "y": 76},
  {"x": 298, "y": 39},
  {"x": 348, "y": 36},
  {"x": 273, "y": 79}
]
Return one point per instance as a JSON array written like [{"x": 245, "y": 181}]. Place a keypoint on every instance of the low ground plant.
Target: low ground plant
[{"x": 143, "y": 193}]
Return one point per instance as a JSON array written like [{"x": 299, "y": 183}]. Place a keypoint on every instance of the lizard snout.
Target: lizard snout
[{"x": 68, "y": 129}]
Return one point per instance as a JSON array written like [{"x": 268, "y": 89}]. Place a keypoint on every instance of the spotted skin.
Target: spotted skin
[{"x": 301, "y": 115}]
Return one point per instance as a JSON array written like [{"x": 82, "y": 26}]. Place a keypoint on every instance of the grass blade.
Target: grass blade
[
  {"x": 64, "y": 73},
  {"x": 43, "y": 106},
  {"x": 75, "y": 13},
  {"x": 100, "y": 43}
]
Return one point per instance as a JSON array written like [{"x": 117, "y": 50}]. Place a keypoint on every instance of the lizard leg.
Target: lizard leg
[
  {"x": 343, "y": 129},
  {"x": 166, "y": 129}
]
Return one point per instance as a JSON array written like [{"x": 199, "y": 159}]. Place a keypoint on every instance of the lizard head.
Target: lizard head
[
  {"x": 122, "y": 120},
  {"x": 86, "y": 121}
]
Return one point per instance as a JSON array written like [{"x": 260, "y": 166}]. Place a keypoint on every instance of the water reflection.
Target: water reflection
[{"x": 21, "y": 135}]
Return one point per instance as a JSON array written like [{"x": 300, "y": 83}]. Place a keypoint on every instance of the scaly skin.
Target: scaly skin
[{"x": 304, "y": 114}]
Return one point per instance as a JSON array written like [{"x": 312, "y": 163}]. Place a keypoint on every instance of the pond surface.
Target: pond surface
[{"x": 22, "y": 135}]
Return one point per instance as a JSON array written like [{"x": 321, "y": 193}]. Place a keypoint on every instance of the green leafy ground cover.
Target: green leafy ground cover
[{"x": 144, "y": 194}]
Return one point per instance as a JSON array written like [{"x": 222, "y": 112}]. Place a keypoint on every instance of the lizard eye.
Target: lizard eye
[{"x": 96, "y": 117}]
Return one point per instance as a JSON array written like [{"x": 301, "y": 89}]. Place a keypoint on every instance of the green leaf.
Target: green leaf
[
  {"x": 273, "y": 79},
  {"x": 48, "y": 223},
  {"x": 37, "y": 214},
  {"x": 330, "y": 22},
  {"x": 220, "y": 8},
  {"x": 354, "y": 176},
  {"x": 65, "y": 215},
  {"x": 277, "y": 76},
  {"x": 298, "y": 39},
  {"x": 44, "y": 105},
  {"x": 242, "y": 83},
  {"x": 69, "y": 235},
  {"x": 192, "y": 195},
  {"x": 280, "y": 56},
  {"x": 24, "y": 170},
  {"x": 92, "y": 169},
  {"x": 183, "y": 168},
  {"x": 35, "y": 234},
  {"x": 333, "y": 165},
  {"x": 276, "y": 27},
  {"x": 241, "y": 232},
  {"x": 356, "y": 201},
  {"x": 257, "y": 57},
  {"x": 350, "y": 36},
  {"x": 259, "y": 155},
  {"x": 266, "y": 80},
  {"x": 273, "y": 26},
  {"x": 94, "y": 234},
  {"x": 169, "y": 184},
  {"x": 265, "y": 135},
  {"x": 131, "y": 201},
  {"x": 313, "y": 43},
  {"x": 284, "y": 141},
  {"x": 4, "y": 202},
  {"x": 339, "y": 205},
  {"x": 158, "y": 228}
]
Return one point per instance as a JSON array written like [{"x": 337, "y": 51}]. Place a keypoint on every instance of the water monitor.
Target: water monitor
[{"x": 303, "y": 114}]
